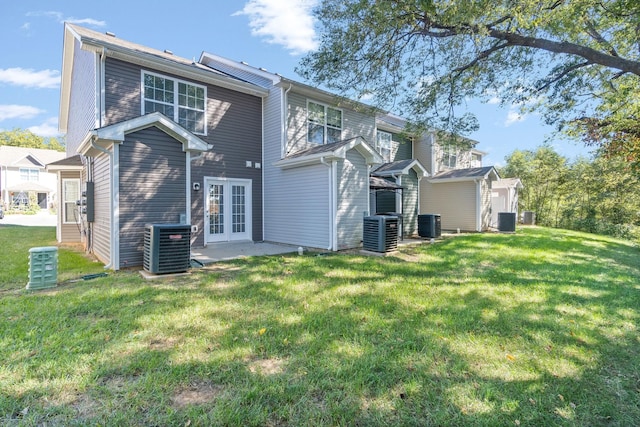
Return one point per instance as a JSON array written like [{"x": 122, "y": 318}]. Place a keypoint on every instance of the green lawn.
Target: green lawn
[{"x": 539, "y": 328}]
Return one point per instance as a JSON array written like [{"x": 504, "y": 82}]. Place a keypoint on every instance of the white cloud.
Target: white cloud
[
  {"x": 48, "y": 79},
  {"x": 59, "y": 17},
  {"x": 283, "y": 22},
  {"x": 47, "y": 129},
  {"x": 18, "y": 112},
  {"x": 513, "y": 117}
]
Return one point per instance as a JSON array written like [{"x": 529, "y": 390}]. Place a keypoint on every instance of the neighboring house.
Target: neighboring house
[
  {"x": 161, "y": 139},
  {"x": 504, "y": 198},
  {"x": 23, "y": 175}
]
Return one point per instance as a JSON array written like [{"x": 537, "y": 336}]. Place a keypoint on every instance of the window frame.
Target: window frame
[
  {"x": 325, "y": 123},
  {"x": 449, "y": 152},
  {"x": 379, "y": 145},
  {"x": 177, "y": 107},
  {"x": 64, "y": 201},
  {"x": 30, "y": 173}
]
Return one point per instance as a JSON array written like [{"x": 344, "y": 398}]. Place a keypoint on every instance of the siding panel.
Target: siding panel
[
  {"x": 454, "y": 201},
  {"x": 82, "y": 100},
  {"x": 353, "y": 190},
  {"x": 101, "y": 239},
  {"x": 152, "y": 188}
]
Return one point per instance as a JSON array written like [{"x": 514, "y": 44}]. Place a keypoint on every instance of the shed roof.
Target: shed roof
[
  {"x": 401, "y": 167},
  {"x": 467, "y": 174},
  {"x": 379, "y": 183}
]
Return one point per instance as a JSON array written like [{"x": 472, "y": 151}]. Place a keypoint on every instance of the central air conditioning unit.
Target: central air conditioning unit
[
  {"x": 429, "y": 225},
  {"x": 380, "y": 233},
  {"x": 507, "y": 222},
  {"x": 167, "y": 248}
]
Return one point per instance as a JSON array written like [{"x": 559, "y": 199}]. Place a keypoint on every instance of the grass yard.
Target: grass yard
[{"x": 539, "y": 328}]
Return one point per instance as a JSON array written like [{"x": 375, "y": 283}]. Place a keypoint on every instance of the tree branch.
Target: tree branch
[{"x": 562, "y": 74}]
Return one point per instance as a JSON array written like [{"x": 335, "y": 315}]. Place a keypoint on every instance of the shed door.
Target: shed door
[{"x": 228, "y": 210}]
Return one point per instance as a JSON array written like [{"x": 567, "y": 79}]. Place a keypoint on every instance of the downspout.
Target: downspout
[
  {"x": 331, "y": 204},
  {"x": 478, "y": 207},
  {"x": 283, "y": 124}
]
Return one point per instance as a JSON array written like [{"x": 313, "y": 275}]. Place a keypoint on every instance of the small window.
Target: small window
[
  {"x": 449, "y": 156},
  {"x": 70, "y": 194},
  {"x": 188, "y": 108},
  {"x": 324, "y": 124},
  {"x": 383, "y": 142}
]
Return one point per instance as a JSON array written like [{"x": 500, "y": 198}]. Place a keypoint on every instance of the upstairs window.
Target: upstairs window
[
  {"x": 184, "y": 103},
  {"x": 324, "y": 124},
  {"x": 383, "y": 145},
  {"x": 29, "y": 174},
  {"x": 476, "y": 160},
  {"x": 449, "y": 156}
]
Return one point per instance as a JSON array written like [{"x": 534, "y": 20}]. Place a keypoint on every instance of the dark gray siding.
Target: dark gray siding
[
  {"x": 82, "y": 100},
  {"x": 234, "y": 128},
  {"x": 101, "y": 238},
  {"x": 152, "y": 188}
]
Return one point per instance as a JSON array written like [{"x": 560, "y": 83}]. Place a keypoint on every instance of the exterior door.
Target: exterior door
[{"x": 227, "y": 209}]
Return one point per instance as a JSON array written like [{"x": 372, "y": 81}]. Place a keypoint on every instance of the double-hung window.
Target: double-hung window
[
  {"x": 324, "y": 124},
  {"x": 29, "y": 174},
  {"x": 183, "y": 102},
  {"x": 383, "y": 142},
  {"x": 449, "y": 156}
]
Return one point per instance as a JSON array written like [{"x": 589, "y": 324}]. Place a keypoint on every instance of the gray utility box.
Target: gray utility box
[
  {"x": 380, "y": 233},
  {"x": 507, "y": 222},
  {"x": 529, "y": 218},
  {"x": 43, "y": 268},
  {"x": 167, "y": 248},
  {"x": 429, "y": 225}
]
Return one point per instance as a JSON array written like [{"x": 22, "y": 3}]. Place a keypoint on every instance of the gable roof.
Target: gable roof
[
  {"x": 379, "y": 183},
  {"x": 508, "y": 183},
  {"x": 70, "y": 163},
  {"x": 116, "y": 132},
  {"x": 468, "y": 174},
  {"x": 329, "y": 152},
  {"x": 27, "y": 157},
  {"x": 401, "y": 167},
  {"x": 110, "y": 46}
]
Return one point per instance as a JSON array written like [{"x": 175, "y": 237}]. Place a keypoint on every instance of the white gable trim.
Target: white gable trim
[
  {"x": 116, "y": 133},
  {"x": 370, "y": 155}
]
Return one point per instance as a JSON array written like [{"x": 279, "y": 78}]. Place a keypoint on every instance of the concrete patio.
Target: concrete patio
[{"x": 231, "y": 250}]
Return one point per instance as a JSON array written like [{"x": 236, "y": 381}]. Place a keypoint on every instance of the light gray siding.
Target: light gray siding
[
  {"x": 152, "y": 188},
  {"x": 410, "y": 202},
  {"x": 485, "y": 202},
  {"x": 82, "y": 99},
  {"x": 352, "y": 198},
  {"x": 353, "y": 124},
  {"x": 401, "y": 148},
  {"x": 297, "y": 212}
]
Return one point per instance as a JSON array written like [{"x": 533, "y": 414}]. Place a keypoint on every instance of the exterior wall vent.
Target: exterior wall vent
[
  {"x": 167, "y": 248},
  {"x": 380, "y": 233}
]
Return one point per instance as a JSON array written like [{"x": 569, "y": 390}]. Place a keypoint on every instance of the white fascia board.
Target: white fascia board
[
  {"x": 297, "y": 162},
  {"x": 168, "y": 66},
  {"x": 70, "y": 37}
]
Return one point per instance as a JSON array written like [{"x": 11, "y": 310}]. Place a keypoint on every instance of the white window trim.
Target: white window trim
[
  {"x": 450, "y": 151},
  {"x": 63, "y": 200},
  {"x": 326, "y": 126},
  {"x": 175, "y": 98},
  {"x": 30, "y": 172},
  {"x": 387, "y": 159}
]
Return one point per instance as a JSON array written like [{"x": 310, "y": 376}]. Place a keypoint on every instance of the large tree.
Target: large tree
[
  {"x": 27, "y": 139},
  {"x": 577, "y": 62}
]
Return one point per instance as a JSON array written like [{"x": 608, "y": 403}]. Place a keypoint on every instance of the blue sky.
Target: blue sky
[{"x": 273, "y": 34}]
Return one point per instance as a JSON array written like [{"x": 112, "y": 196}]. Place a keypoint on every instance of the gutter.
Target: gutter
[{"x": 283, "y": 124}]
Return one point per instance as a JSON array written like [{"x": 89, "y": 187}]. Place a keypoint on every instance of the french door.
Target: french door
[{"x": 227, "y": 209}]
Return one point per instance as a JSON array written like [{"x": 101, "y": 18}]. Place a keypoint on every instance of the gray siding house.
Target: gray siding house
[{"x": 161, "y": 139}]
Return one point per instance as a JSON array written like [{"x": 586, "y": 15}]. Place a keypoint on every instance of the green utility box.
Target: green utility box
[{"x": 43, "y": 267}]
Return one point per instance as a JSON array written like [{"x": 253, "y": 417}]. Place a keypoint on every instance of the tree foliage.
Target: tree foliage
[
  {"x": 577, "y": 62},
  {"x": 27, "y": 139},
  {"x": 600, "y": 195}
]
